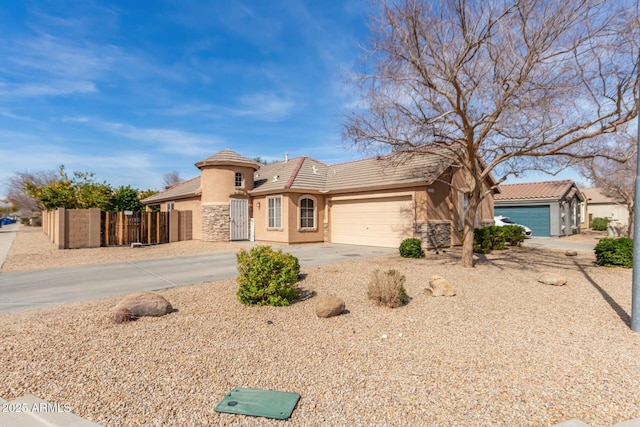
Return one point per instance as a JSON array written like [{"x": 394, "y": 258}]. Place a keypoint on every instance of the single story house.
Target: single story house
[
  {"x": 551, "y": 208},
  {"x": 601, "y": 206},
  {"x": 378, "y": 201}
]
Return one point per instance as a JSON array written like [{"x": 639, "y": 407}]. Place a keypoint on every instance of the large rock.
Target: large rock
[
  {"x": 569, "y": 252},
  {"x": 329, "y": 306},
  {"x": 552, "y": 279},
  {"x": 144, "y": 304},
  {"x": 439, "y": 287}
]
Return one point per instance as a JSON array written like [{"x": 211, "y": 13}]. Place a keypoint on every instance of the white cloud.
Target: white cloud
[
  {"x": 168, "y": 140},
  {"x": 50, "y": 88},
  {"x": 264, "y": 106}
]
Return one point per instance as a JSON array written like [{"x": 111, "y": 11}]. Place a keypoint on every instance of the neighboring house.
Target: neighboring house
[
  {"x": 601, "y": 206},
  {"x": 375, "y": 201},
  {"x": 550, "y": 208}
]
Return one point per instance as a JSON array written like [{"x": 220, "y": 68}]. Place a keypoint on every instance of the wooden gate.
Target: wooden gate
[{"x": 125, "y": 228}]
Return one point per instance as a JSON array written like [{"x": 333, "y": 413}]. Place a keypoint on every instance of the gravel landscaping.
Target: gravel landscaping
[{"x": 505, "y": 351}]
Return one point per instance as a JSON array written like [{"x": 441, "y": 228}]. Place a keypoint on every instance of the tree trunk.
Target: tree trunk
[{"x": 467, "y": 233}]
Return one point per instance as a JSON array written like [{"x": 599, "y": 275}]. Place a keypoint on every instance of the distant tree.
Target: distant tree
[
  {"x": 148, "y": 193},
  {"x": 261, "y": 160},
  {"x": 79, "y": 192},
  {"x": 126, "y": 199},
  {"x": 171, "y": 178},
  {"x": 496, "y": 86},
  {"x": 615, "y": 176},
  {"x": 17, "y": 193}
]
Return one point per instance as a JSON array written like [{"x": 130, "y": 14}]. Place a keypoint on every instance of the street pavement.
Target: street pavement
[
  {"x": 7, "y": 234},
  {"x": 33, "y": 289}
]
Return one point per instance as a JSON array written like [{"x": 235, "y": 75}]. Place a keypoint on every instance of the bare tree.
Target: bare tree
[
  {"x": 496, "y": 86},
  {"x": 171, "y": 178},
  {"x": 615, "y": 176},
  {"x": 17, "y": 193}
]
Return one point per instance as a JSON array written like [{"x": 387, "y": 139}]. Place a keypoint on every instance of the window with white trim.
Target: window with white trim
[
  {"x": 239, "y": 179},
  {"x": 170, "y": 206},
  {"x": 274, "y": 212},
  {"x": 307, "y": 213}
]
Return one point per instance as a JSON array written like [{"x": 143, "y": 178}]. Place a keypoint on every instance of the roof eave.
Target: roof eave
[{"x": 169, "y": 199}]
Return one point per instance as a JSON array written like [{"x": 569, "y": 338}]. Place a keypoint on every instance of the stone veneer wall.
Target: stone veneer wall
[
  {"x": 435, "y": 234},
  {"x": 215, "y": 223}
]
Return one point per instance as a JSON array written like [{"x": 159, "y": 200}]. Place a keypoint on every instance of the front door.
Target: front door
[{"x": 239, "y": 219}]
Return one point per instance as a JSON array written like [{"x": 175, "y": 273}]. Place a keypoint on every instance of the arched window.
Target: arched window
[
  {"x": 307, "y": 213},
  {"x": 238, "y": 179}
]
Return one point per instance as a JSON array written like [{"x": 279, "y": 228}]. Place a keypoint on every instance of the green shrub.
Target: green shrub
[
  {"x": 600, "y": 224},
  {"x": 514, "y": 235},
  {"x": 497, "y": 236},
  {"x": 615, "y": 252},
  {"x": 493, "y": 237},
  {"x": 411, "y": 248},
  {"x": 388, "y": 289},
  {"x": 482, "y": 240},
  {"x": 267, "y": 277}
]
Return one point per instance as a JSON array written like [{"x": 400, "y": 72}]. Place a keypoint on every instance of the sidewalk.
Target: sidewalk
[{"x": 7, "y": 234}]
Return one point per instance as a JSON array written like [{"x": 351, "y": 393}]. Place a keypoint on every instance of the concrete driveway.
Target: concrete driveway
[
  {"x": 559, "y": 243},
  {"x": 27, "y": 290}
]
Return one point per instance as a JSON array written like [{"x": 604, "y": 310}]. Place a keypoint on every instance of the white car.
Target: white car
[{"x": 505, "y": 220}]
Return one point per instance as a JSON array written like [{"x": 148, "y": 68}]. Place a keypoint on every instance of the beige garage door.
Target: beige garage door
[{"x": 373, "y": 222}]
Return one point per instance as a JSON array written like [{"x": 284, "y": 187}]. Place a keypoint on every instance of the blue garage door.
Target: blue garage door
[{"x": 537, "y": 218}]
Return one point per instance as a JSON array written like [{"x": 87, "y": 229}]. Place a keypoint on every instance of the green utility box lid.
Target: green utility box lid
[{"x": 259, "y": 403}]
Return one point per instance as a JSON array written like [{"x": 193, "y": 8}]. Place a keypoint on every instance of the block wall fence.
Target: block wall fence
[{"x": 83, "y": 228}]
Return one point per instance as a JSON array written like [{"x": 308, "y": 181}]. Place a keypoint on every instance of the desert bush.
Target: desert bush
[
  {"x": 411, "y": 248},
  {"x": 267, "y": 277},
  {"x": 493, "y": 237},
  {"x": 514, "y": 235},
  {"x": 497, "y": 236},
  {"x": 388, "y": 288},
  {"x": 482, "y": 240},
  {"x": 488, "y": 238},
  {"x": 600, "y": 224},
  {"x": 615, "y": 252}
]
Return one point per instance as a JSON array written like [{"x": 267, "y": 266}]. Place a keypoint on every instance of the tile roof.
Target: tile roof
[
  {"x": 298, "y": 173},
  {"x": 386, "y": 171},
  {"x": 306, "y": 174},
  {"x": 596, "y": 196},
  {"x": 537, "y": 190},
  {"x": 383, "y": 171},
  {"x": 188, "y": 188},
  {"x": 228, "y": 157}
]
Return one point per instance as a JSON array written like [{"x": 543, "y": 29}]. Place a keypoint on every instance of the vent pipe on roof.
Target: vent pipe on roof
[{"x": 286, "y": 157}]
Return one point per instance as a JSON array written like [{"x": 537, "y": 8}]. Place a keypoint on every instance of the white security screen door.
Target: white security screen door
[{"x": 239, "y": 215}]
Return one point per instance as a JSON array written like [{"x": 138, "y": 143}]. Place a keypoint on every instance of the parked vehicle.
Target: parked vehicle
[{"x": 501, "y": 221}]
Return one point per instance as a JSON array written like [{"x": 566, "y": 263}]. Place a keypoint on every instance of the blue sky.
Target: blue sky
[{"x": 132, "y": 90}]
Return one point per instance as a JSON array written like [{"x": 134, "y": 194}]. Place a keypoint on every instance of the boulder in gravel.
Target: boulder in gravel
[
  {"x": 552, "y": 279},
  {"x": 439, "y": 287},
  {"x": 144, "y": 304},
  {"x": 122, "y": 315},
  {"x": 571, "y": 253},
  {"x": 329, "y": 306}
]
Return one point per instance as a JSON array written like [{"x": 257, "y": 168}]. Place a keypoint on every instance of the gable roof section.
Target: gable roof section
[
  {"x": 182, "y": 190},
  {"x": 596, "y": 196},
  {"x": 227, "y": 157},
  {"x": 552, "y": 190},
  {"x": 299, "y": 173},
  {"x": 303, "y": 173},
  {"x": 386, "y": 171}
]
